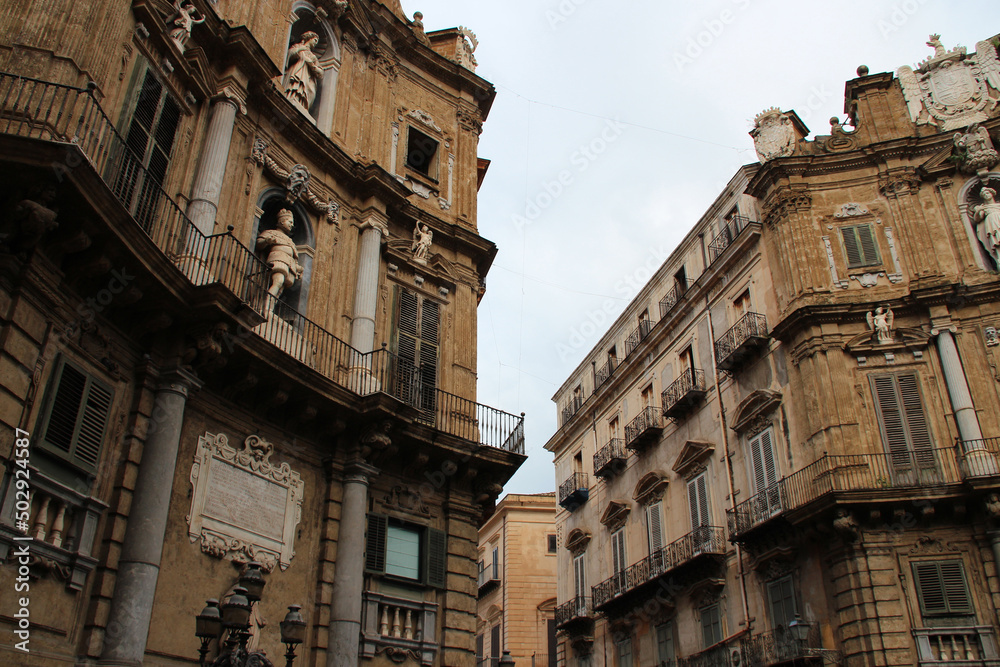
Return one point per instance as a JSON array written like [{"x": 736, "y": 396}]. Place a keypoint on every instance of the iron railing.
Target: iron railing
[
  {"x": 730, "y": 230},
  {"x": 610, "y": 459},
  {"x": 845, "y": 473},
  {"x": 645, "y": 425},
  {"x": 637, "y": 336},
  {"x": 604, "y": 372},
  {"x": 750, "y": 327},
  {"x": 978, "y": 458},
  {"x": 671, "y": 298},
  {"x": 704, "y": 540},
  {"x": 572, "y": 408},
  {"x": 783, "y": 645},
  {"x": 489, "y": 575},
  {"x": 575, "y": 609},
  {"x": 574, "y": 490},
  {"x": 36, "y": 109},
  {"x": 720, "y": 655},
  {"x": 690, "y": 380}
]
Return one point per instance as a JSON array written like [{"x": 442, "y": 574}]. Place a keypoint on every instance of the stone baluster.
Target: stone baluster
[
  {"x": 395, "y": 622},
  {"x": 383, "y": 628},
  {"x": 408, "y": 627},
  {"x": 41, "y": 519},
  {"x": 56, "y": 529}
]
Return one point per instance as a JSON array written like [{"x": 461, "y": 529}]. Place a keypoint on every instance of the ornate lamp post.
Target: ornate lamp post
[{"x": 234, "y": 616}]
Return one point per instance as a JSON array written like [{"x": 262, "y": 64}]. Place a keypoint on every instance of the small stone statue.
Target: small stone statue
[
  {"x": 422, "y": 237},
  {"x": 846, "y": 526},
  {"x": 31, "y": 219},
  {"x": 880, "y": 322},
  {"x": 304, "y": 72},
  {"x": 974, "y": 150},
  {"x": 418, "y": 28},
  {"x": 282, "y": 255},
  {"x": 987, "y": 215},
  {"x": 183, "y": 20}
]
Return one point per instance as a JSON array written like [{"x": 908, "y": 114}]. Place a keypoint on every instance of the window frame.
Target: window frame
[
  {"x": 433, "y": 160},
  {"x": 775, "y": 586},
  {"x": 553, "y": 543},
  {"x": 710, "y": 617},
  {"x": 655, "y": 533},
  {"x": 619, "y": 550},
  {"x": 663, "y": 636},
  {"x": 625, "y": 657},
  {"x": 432, "y": 558},
  {"x": 859, "y": 247},
  {"x": 950, "y": 609}
]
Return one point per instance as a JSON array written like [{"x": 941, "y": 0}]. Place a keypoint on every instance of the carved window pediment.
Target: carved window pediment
[
  {"x": 577, "y": 540},
  {"x": 693, "y": 457},
  {"x": 615, "y": 515},
  {"x": 650, "y": 488},
  {"x": 752, "y": 409}
]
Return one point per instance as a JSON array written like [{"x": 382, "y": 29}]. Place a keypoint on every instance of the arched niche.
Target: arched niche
[
  {"x": 269, "y": 203},
  {"x": 969, "y": 198},
  {"x": 327, "y": 52}
]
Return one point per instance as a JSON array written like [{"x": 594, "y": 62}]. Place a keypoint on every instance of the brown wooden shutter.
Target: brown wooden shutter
[
  {"x": 378, "y": 525},
  {"x": 78, "y": 418},
  {"x": 916, "y": 422},
  {"x": 437, "y": 557},
  {"x": 851, "y": 246},
  {"x": 891, "y": 418},
  {"x": 869, "y": 249},
  {"x": 942, "y": 588}
]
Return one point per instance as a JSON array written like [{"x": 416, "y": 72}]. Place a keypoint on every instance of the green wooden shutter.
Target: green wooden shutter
[
  {"x": 378, "y": 525},
  {"x": 429, "y": 323},
  {"x": 869, "y": 249},
  {"x": 942, "y": 589},
  {"x": 654, "y": 527},
  {"x": 665, "y": 642},
  {"x": 77, "y": 418},
  {"x": 437, "y": 557},
  {"x": 711, "y": 625},
  {"x": 891, "y": 420},
  {"x": 851, "y": 247}
]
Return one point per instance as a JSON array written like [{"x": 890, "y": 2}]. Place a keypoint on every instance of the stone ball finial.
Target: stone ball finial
[
  {"x": 834, "y": 121},
  {"x": 418, "y": 16},
  {"x": 862, "y": 70}
]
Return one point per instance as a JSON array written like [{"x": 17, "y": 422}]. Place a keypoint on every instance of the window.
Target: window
[
  {"x": 711, "y": 625},
  {"x": 942, "y": 589},
  {"x": 550, "y": 626},
  {"x": 647, "y": 396},
  {"x": 417, "y": 323},
  {"x": 553, "y": 544},
  {"x": 764, "y": 469},
  {"x": 614, "y": 428},
  {"x": 860, "y": 246},
  {"x": 410, "y": 552},
  {"x": 665, "y": 642},
  {"x": 618, "y": 557},
  {"x": 680, "y": 280},
  {"x": 686, "y": 361},
  {"x": 579, "y": 576},
  {"x": 76, "y": 417},
  {"x": 495, "y": 644},
  {"x": 742, "y": 305},
  {"x": 654, "y": 526},
  {"x": 644, "y": 318},
  {"x": 153, "y": 120},
  {"x": 903, "y": 425},
  {"x": 480, "y": 645},
  {"x": 781, "y": 599},
  {"x": 624, "y": 646},
  {"x": 698, "y": 501},
  {"x": 420, "y": 152}
]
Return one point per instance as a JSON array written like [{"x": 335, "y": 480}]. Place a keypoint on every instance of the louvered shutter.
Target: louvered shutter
[
  {"x": 429, "y": 321},
  {"x": 375, "y": 543},
  {"x": 654, "y": 526},
  {"x": 869, "y": 249},
  {"x": 891, "y": 418},
  {"x": 942, "y": 588},
  {"x": 437, "y": 558},
  {"x": 916, "y": 422},
  {"x": 698, "y": 501},
  {"x": 905, "y": 430},
  {"x": 618, "y": 561},
  {"x": 851, "y": 247},
  {"x": 495, "y": 643},
  {"x": 579, "y": 577},
  {"x": 479, "y": 648},
  {"x": 77, "y": 418}
]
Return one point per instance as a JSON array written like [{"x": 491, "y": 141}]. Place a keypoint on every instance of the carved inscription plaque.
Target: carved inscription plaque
[{"x": 245, "y": 500}]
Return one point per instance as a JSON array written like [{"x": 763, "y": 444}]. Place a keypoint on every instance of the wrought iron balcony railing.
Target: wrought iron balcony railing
[
  {"x": 749, "y": 332},
  {"x": 574, "y": 491},
  {"x": 489, "y": 577},
  {"x": 575, "y": 610},
  {"x": 978, "y": 458},
  {"x": 644, "y": 429},
  {"x": 604, "y": 372},
  {"x": 702, "y": 541},
  {"x": 720, "y": 655},
  {"x": 69, "y": 116},
  {"x": 852, "y": 475},
  {"x": 683, "y": 393},
  {"x": 974, "y": 646},
  {"x": 671, "y": 298},
  {"x": 610, "y": 459},
  {"x": 786, "y": 645},
  {"x": 727, "y": 234},
  {"x": 572, "y": 408},
  {"x": 637, "y": 336}
]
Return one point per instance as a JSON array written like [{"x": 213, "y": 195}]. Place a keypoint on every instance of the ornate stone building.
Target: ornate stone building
[
  {"x": 785, "y": 449},
  {"x": 239, "y": 273}
]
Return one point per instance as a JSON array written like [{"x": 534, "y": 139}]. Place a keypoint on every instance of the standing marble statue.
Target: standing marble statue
[
  {"x": 421, "y": 246},
  {"x": 182, "y": 21},
  {"x": 282, "y": 255},
  {"x": 987, "y": 215},
  {"x": 880, "y": 322},
  {"x": 304, "y": 71}
]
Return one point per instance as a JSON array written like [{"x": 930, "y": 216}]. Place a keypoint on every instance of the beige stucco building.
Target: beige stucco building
[
  {"x": 784, "y": 451},
  {"x": 239, "y": 274},
  {"x": 517, "y": 582}
]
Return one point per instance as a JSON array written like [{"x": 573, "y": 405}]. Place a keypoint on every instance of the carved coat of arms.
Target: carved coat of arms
[
  {"x": 951, "y": 88},
  {"x": 773, "y": 135}
]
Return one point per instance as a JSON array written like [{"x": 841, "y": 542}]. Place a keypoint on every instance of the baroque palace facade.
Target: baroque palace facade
[
  {"x": 785, "y": 450},
  {"x": 239, "y": 274}
]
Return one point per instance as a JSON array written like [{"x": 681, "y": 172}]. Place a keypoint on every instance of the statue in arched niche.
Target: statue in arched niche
[
  {"x": 282, "y": 255},
  {"x": 304, "y": 72},
  {"x": 987, "y": 215}
]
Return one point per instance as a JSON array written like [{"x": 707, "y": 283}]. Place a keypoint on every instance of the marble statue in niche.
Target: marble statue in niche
[
  {"x": 304, "y": 72},
  {"x": 987, "y": 215},
  {"x": 282, "y": 255}
]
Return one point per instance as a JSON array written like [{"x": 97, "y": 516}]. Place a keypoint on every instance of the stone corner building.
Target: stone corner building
[
  {"x": 239, "y": 274},
  {"x": 785, "y": 450}
]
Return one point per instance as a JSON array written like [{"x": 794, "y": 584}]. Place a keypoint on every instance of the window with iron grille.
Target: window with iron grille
[{"x": 75, "y": 418}]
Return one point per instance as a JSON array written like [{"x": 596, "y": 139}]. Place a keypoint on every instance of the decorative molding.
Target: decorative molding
[
  {"x": 783, "y": 203},
  {"x": 424, "y": 118},
  {"x": 837, "y": 282},
  {"x": 990, "y": 336},
  {"x": 615, "y": 515},
  {"x": 401, "y": 499},
  {"x": 897, "y": 275},
  {"x": 851, "y": 209},
  {"x": 757, "y": 405},
  {"x": 577, "y": 540},
  {"x": 650, "y": 488},
  {"x": 691, "y": 460},
  {"x": 297, "y": 182},
  {"x": 867, "y": 280}
]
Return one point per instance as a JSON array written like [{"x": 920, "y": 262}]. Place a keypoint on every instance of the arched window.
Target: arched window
[
  {"x": 312, "y": 64},
  {"x": 296, "y": 296}
]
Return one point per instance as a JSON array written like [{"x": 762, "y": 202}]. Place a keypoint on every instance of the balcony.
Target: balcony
[
  {"x": 398, "y": 627},
  {"x": 574, "y": 491},
  {"x": 604, "y": 372},
  {"x": 668, "y": 302},
  {"x": 72, "y": 119},
  {"x": 705, "y": 542},
  {"x": 721, "y": 655},
  {"x": 574, "y": 406},
  {"x": 846, "y": 478},
  {"x": 743, "y": 339},
  {"x": 978, "y": 459},
  {"x": 644, "y": 429},
  {"x": 637, "y": 336},
  {"x": 489, "y": 578},
  {"x": 968, "y": 646},
  {"x": 798, "y": 644},
  {"x": 684, "y": 393},
  {"x": 575, "y": 616},
  {"x": 726, "y": 236},
  {"x": 610, "y": 459}
]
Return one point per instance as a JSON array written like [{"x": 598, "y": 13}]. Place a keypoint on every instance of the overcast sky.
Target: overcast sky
[{"x": 615, "y": 126}]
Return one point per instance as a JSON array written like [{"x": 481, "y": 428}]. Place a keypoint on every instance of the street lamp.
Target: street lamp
[
  {"x": 799, "y": 630},
  {"x": 234, "y": 616}
]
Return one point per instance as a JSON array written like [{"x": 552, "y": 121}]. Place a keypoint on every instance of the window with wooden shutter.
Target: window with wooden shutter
[
  {"x": 860, "y": 246},
  {"x": 416, "y": 344},
  {"x": 76, "y": 417},
  {"x": 618, "y": 555},
  {"x": 437, "y": 558},
  {"x": 903, "y": 425},
  {"x": 781, "y": 598},
  {"x": 942, "y": 588},
  {"x": 654, "y": 526},
  {"x": 665, "y": 643},
  {"x": 375, "y": 543},
  {"x": 579, "y": 576},
  {"x": 479, "y": 648},
  {"x": 550, "y": 627},
  {"x": 625, "y": 652},
  {"x": 711, "y": 625},
  {"x": 495, "y": 643},
  {"x": 698, "y": 501}
]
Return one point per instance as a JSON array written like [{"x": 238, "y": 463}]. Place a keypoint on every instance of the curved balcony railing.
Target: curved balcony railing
[
  {"x": 637, "y": 336},
  {"x": 786, "y": 646},
  {"x": 978, "y": 458},
  {"x": 727, "y": 234},
  {"x": 62, "y": 114},
  {"x": 733, "y": 346},
  {"x": 610, "y": 459},
  {"x": 683, "y": 393},
  {"x": 671, "y": 298},
  {"x": 604, "y": 372},
  {"x": 644, "y": 428},
  {"x": 574, "y": 491},
  {"x": 576, "y": 609}
]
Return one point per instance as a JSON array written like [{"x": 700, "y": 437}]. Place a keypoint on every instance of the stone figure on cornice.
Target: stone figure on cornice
[
  {"x": 974, "y": 150},
  {"x": 304, "y": 71},
  {"x": 418, "y": 28},
  {"x": 282, "y": 255},
  {"x": 183, "y": 21},
  {"x": 880, "y": 322},
  {"x": 421, "y": 246},
  {"x": 987, "y": 215}
]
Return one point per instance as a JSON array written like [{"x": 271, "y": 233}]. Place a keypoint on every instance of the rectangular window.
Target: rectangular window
[
  {"x": 647, "y": 396},
  {"x": 625, "y": 652},
  {"x": 550, "y": 626},
  {"x": 904, "y": 429},
  {"x": 420, "y": 152},
  {"x": 579, "y": 577},
  {"x": 711, "y": 625},
  {"x": 742, "y": 305},
  {"x": 553, "y": 544},
  {"x": 680, "y": 280},
  {"x": 942, "y": 588},
  {"x": 762, "y": 461},
  {"x": 654, "y": 526},
  {"x": 402, "y": 552},
  {"x": 410, "y": 552},
  {"x": 76, "y": 417},
  {"x": 417, "y": 324},
  {"x": 698, "y": 501},
  {"x": 860, "y": 246},
  {"x": 781, "y": 598},
  {"x": 665, "y": 643},
  {"x": 618, "y": 555},
  {"x": 480, "y": 645},
  {"x": 614, "y": 429},
  {"x": 495, "y": 644}
]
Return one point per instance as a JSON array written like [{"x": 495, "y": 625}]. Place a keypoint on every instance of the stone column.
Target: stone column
[
  {"x": 364, "y": 379},
  {"x": 349, "y": 577},
  {"x": 207, "y": 186},
  {"x": 327, "y": 100},
  {"x": 139, "y": 565}
]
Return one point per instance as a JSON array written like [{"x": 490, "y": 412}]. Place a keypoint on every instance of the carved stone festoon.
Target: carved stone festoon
[
  {"x": 773, "y": 135},
  {"x": 296, "y": 182}
]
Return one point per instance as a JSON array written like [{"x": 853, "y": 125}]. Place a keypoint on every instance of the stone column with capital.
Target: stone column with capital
[
  {"x": 373, "y": 229},
  {"x": 139, "y": 564},
  {"x": 207, "y": 187}
]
